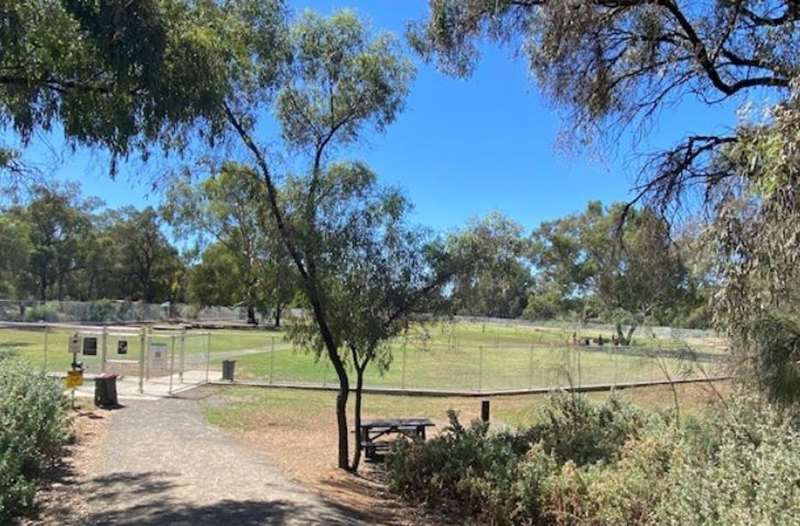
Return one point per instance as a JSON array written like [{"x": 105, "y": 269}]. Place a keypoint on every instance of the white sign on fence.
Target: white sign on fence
[
  {"x": 158, "y": 355},
  {"x": 75, "y": 344}
]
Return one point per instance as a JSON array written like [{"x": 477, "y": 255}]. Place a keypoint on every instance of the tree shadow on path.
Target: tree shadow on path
[{"x": 144, "y": 499}]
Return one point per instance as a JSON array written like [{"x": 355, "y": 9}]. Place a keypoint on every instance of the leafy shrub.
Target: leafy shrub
[
  {"x": 101, "y": 311},
  {"x": 516, "y": 477},
  {"x": 463, "y": 464},
  {"x": 750, "y": 475},
  {"x": 573, "y": 428},
  {"x": 34, "y": 426},
  {"x": 610, "y": 464},
  {"x": 43, "y": 312}
]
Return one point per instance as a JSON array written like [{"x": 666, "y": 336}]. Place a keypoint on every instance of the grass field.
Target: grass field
[
  {"x": 251, "y": 408},
  {"x": 465, "y": 356}
]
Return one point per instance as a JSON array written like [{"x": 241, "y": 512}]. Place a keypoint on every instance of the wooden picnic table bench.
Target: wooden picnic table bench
[{"x": 372, "y": 430}]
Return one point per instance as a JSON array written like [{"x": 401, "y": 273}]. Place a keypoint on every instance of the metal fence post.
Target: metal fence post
[
  {"x": 142, "y": 340},
  {"x": 104, "y": 350},
  {"x": 272, "y": 361},
  {"x": 480, "y": 370},
  {"x": 147, "y": 339},
  {"x": 171, "y": 361},
  {"x": 183, "y": 354},
  {"x": 44, "y": 365},
  {"x": 530, "y": 367},
  {"x": 207, "y": 343},
  {"x": 403, "y": 367}
]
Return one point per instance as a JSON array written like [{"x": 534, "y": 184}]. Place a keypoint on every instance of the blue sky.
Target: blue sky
[{"x": 461, "y": 148}]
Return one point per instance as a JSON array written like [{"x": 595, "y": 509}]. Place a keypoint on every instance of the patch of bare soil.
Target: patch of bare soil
[
  {"x": 307, "y": 455},
  {"x": 59, "y": 499}
]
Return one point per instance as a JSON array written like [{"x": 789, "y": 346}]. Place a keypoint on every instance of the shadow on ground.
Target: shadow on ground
[{"x": 139, "y": 498}]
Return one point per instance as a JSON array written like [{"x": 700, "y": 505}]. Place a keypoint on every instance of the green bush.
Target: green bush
[
  {"x": 34, "y": 426},
  {"x": 43, "y": 312},
  {"x": 101, "y": 311},
  {"x": 572, "y": 428},
  {"x": 750, "y": 474},
  {"x": 463, "y": 464},
  {"x": 504, "y": 477},
  {"x": 612, "y": 464}
]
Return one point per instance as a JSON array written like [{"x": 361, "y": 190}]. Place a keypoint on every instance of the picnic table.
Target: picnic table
[{"x": 373, "y": 430}]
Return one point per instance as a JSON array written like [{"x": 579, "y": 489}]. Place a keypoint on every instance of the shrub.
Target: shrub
[
  {"x": 573, "y": 428},
  {"x": 463, "y": 464},
  {"x": 43, "y": 312},
  {"x": 101, "y": 311},
  {"x": 34, "y": 426},
  {"x": 749, "y": 475},
  {"x": 528, "y": 476}
]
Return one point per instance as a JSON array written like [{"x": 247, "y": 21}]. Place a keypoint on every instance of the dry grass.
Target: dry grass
[{"x": 297, "y": 430}]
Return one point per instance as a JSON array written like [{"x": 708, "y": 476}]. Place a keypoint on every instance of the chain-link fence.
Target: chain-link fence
[
  {"x": 170, "y": 356},
  {"x": 482, "y": 357},
  {"x": 457, "y": 357}
]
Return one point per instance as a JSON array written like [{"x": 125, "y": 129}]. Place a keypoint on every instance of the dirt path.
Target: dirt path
[{"x": 160, "y": 463}]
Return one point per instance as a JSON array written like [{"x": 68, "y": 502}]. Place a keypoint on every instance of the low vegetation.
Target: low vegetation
[
  {"x": 34, "y": 427},
  {"x": 612, "y": 463}
]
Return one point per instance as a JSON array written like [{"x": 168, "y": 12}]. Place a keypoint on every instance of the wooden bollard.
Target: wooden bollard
[{"x": 485, "y": 410}]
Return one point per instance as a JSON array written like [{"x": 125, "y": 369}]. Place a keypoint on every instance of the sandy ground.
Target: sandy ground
[
  {"x": 60, "y": 499},
  {"x": 160, "y": 463}
]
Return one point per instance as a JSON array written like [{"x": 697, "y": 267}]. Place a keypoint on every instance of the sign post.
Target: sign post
[{"x": 75, "y": 376}]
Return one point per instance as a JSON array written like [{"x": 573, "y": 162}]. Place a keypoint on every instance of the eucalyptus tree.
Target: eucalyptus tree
[
  {"x": 497, "y": 275},
  {"x": 58, "y": 223},
  {"x": 128, "y": 77},
  {"x": 616, "y": 66},
  {"x": 227, "y": 209},
  {"x": 626, "y": 275},
  {"x": 339, "y": 83},
  {"x": 146, "y": 265},
  {"x": 613, "y": 64},
  {"x": 379, "y": 272}
]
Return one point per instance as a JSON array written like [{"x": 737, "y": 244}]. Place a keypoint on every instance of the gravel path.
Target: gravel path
[{"x": 160, "y": 463}]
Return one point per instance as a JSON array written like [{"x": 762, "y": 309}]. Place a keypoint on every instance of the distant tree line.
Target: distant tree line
[{"x": 60, "y": 245}]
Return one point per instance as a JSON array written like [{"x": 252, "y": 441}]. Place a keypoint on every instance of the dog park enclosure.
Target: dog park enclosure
[{"x": 466, "y": 356}]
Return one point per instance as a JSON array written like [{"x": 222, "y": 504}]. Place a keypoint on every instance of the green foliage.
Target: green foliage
[
  {"x": 125, "y": 76},
  {"x": 751, "y": 474},
  {"x": 626, "y": 273},
  {"x": 526, "y": 476},
  {"x": 463, "y": 464},
  {"x": 495, "y": 277},
  {"x": 611, "y": 464},
  {"x": 772, "y": 351},
  {"x": 244, "y": 261},
  {"x": 574, "y": 429},
  {"x": 48, "y": 312},
  {"x": 101, "y": 311},
  {"x": 34, "y": 426}
]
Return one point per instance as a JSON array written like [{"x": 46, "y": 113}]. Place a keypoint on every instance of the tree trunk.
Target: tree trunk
[
  {"x": 357, "y": 416},
  {"x": 341, "y": 412},
  {"x": 625, "y": 340},
  {"x": 278, "y": 310},
  {"x": 310, "y": 284},
  {"x": 629, "y": 338},
  {"x": 251, "y": 315}
]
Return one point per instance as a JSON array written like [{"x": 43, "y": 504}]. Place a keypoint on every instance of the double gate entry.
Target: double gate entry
[{"x": 159, "y": 360}]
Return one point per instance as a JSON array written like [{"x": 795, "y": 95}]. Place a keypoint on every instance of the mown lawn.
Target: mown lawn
[
  {"x": 259, "y": 408},
  {"x": 471, "y": 356}
]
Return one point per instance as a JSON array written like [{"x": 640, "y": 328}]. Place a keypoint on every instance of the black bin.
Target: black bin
[
  {"x": 228, "y": 368},
  {"x": 105, "y": 390}
]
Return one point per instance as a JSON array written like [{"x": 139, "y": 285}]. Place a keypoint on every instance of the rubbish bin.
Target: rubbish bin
[
  {"x": 105, "y": 390},
  {"x": 228, "y": 367}
]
